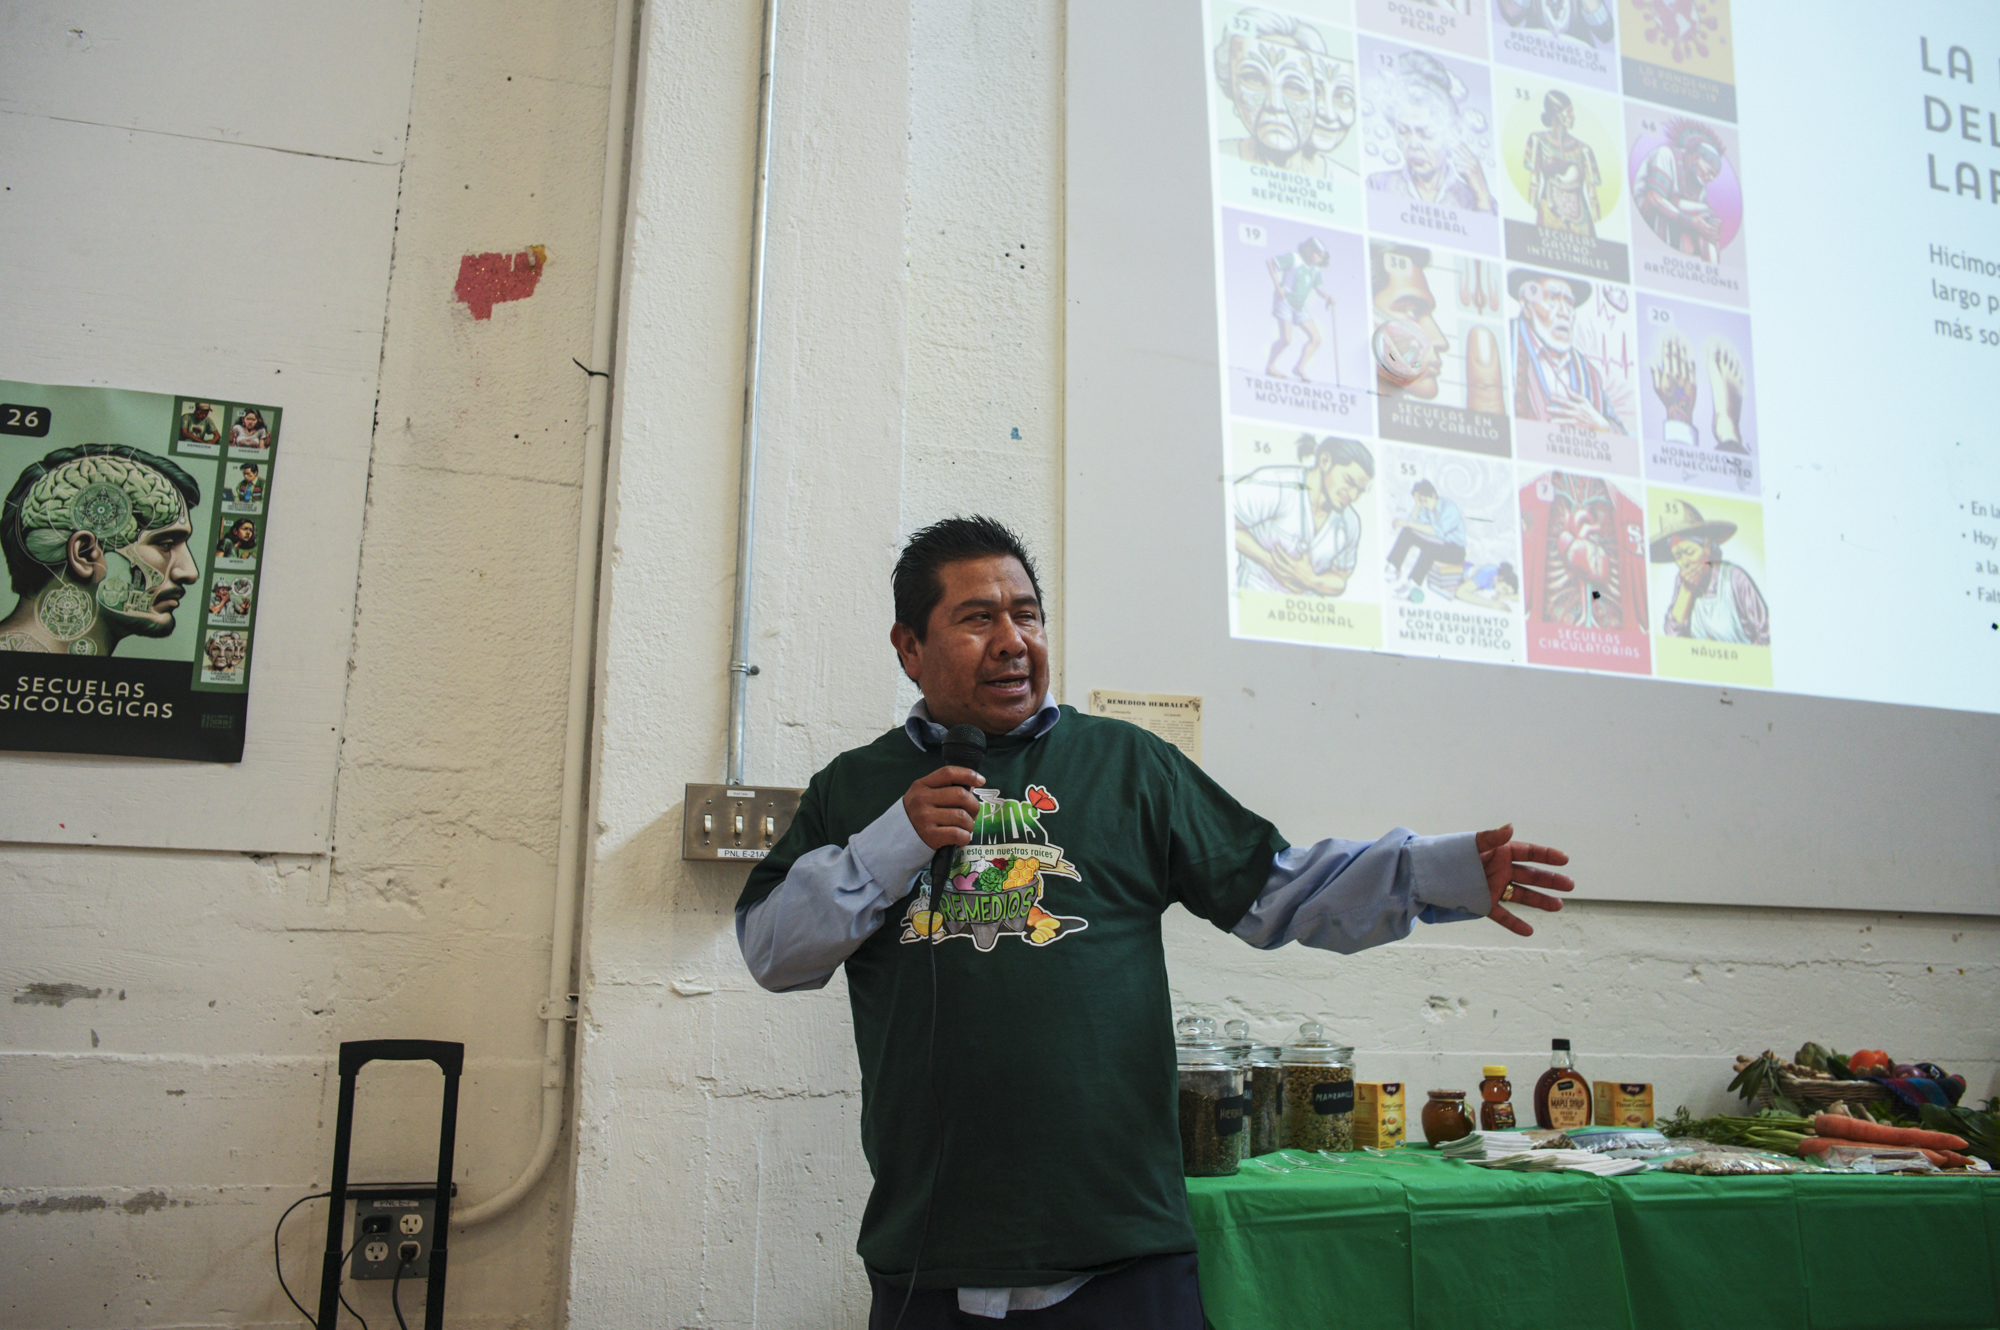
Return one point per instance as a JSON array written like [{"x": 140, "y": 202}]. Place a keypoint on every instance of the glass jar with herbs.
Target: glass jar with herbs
[
  {"x": 1263, "y": 1083},
  {"x": 1319, "y": 1091},
  {"x": 1211, "y": 1101}
]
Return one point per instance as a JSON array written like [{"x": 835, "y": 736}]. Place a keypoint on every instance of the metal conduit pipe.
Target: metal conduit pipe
[
  {"x": 558, "y": 1011},
  {"x": 740, "y": 668}
]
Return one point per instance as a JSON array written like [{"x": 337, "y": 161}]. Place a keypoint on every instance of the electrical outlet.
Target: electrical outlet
[
  {"x": 735, "y": 821},
  {"x": 392, "y": 1221}
]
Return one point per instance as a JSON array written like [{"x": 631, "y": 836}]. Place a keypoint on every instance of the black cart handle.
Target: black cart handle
[{"x": 358, "y": 1053}]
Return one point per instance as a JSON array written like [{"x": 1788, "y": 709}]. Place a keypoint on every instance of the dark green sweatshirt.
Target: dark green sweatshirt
[{"x": 1052, "y": 1072}]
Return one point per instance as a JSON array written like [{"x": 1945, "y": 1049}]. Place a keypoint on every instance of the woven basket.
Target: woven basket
[{"x": 1818, "y": 1094}]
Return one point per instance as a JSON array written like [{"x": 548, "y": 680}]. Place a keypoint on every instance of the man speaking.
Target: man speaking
[{"x": 1013, "y": 1020}]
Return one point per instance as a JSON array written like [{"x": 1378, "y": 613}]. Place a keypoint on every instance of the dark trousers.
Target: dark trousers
[
  {"x": 1153, "y": 1293},
  {"x": 1429, "y": 552}
]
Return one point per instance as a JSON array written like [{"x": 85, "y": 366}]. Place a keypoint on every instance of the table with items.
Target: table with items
[
  {"x": 1310, "y": 1209},
  {"x": 1409, "y": 1237}
]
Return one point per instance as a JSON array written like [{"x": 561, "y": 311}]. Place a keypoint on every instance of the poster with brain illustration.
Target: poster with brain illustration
[{"x": 134, "y": 527}]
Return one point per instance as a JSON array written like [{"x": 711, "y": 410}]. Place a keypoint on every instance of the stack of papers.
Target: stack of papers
[
  {"x": 1487, "y": 1145},
  {"x": 1563, "y": 1161}
]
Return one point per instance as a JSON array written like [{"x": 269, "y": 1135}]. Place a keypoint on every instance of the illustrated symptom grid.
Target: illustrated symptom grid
[
  {"x": 1486, "y": 311},
  {"x": 239, "y": 443}
]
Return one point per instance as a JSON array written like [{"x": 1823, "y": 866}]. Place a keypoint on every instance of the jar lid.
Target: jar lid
[
  {"x": 1447, "y": 1094},
  {"x": 1493, "y": 1071},
  {"x": 1261, "y": 1053},
  {"x": 1197, "y": 1045},
  {"x": 1194, "y": 1030},
  {"x": 1313, "y": 1046}
]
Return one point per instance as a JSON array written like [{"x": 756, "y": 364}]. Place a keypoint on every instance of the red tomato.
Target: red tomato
[{"x": 1868, "y": 1059}]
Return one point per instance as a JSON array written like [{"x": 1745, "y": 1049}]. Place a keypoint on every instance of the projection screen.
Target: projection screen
[{"x": 1573, "y": 411}]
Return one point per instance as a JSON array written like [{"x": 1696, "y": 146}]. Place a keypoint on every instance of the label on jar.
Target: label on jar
[
  {"x": 1229, "y": 1114},
  {"x": 1333, "y": 1097},
  {"x": 1569, "y": 1102}
]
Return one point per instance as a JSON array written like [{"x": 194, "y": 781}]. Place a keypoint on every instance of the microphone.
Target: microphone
[{"x": 964, "y": 745}]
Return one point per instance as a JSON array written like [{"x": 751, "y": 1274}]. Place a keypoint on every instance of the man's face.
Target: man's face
[
  {"x": 1333, "y": 106},
  {"x": 984, "y": 658},
  {"x": 1407, "y": 296},
  {"x": 1342, "y": 485},
  {"x": 1275, "y": 95},
  {"x": 1552, "y": 307},
  {"x": 1692, "y": 556},
  {"x": 162, "y": 567},
  {"x": 1427, "y": 501},
  {"x": 201, "y": 410}
]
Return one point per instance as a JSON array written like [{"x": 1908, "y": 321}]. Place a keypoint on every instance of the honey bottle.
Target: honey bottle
[
  {"x": 1496, "y": 1094},
  {"x": 1562, "y": 1096}
]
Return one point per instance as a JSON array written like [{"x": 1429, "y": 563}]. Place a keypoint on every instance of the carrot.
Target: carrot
[
  {"x": 1875, "y": 1133},
  {"x": 1948, "y": 1159},
  {"x": 1817, "y": 1145}
]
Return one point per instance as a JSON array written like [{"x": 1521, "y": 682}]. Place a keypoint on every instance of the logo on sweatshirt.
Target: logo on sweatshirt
[{"x": 996, "y": 884}]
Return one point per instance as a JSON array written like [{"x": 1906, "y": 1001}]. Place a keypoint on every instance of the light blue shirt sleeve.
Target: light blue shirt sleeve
[
  {"x": 1348, "y": 895},
  {"x": 1450, "y": 523},
  {"x": 829, "y": 904}
]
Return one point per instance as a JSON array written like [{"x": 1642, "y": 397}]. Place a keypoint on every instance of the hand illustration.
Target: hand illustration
[
  {"x": 1483, "y": 372},
  {"x": 1469, "y": 170},
  {"x": 1674, "y": 378},
  {"x": 1725, "y": 382},
  {"x": 1569, "y": 409}
]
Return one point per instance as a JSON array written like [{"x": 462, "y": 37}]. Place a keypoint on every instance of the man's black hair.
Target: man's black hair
[
  {"x": 1334, "y": 451},
  {"x": 30, "y": 574},
  {"x": 1505, "y": 573},
  {"x": 1425, "y": 489},
  {"x": 918, "y": 580}
]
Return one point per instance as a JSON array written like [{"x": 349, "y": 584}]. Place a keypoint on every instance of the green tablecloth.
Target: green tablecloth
[{"x": 1428, "y": 1242}]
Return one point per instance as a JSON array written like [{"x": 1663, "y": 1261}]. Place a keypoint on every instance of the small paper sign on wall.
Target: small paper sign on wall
[{"x": 1175, "y": 717}]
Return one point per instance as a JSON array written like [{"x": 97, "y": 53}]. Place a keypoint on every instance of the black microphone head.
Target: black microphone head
[{"x": 964, "y": 745}]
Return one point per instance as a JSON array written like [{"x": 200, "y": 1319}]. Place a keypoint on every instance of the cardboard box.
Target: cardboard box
[
  {"x": 1623, "y": 1103},
  {"x": 1379, "y": 1117}
]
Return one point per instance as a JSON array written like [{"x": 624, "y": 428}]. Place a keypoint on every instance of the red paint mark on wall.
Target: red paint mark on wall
[{"x": 486, "y": 280}]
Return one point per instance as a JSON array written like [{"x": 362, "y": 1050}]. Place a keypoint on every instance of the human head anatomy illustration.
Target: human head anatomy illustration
[{"x": 96, "y": 546}]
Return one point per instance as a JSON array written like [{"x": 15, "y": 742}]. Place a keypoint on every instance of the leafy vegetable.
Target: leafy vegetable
[
  {"x": 990, "y": 880},
  {"x": 1981, "y": 1130},
  {"x": 1770, "y": 1130},
  {"x": 1761, "y": 1074}
]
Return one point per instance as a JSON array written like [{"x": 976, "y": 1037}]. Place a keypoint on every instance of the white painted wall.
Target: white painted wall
[
  {"x": 152, "y": 1129},
  {"x": 918, "y": 146}
]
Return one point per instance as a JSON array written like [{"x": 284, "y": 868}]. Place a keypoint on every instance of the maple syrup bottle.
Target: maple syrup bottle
[{"x": 1562, "y": 1096}]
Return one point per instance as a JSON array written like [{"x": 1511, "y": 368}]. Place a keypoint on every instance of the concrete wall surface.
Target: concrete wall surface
[
  {"x": 167, "y": 1059},
  {"x": 914, "y": 325}
]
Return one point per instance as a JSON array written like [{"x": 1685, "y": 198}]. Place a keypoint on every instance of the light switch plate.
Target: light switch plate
[{"x": 736, "y": 821}]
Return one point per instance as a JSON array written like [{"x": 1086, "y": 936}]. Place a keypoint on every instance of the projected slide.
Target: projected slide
[{"x": 1628, "y": 336}]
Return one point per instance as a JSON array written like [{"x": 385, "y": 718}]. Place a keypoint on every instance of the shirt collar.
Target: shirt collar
[{"x": 926, "y": 733}]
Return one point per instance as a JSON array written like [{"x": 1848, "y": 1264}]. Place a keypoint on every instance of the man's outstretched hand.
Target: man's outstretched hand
[{"x": 1507, "y": 863}]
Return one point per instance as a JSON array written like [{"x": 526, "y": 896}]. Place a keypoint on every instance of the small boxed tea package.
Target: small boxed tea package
[
  {"x": 1623, "y": 1103},
  {"x": 1379, "y": 1118}
]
